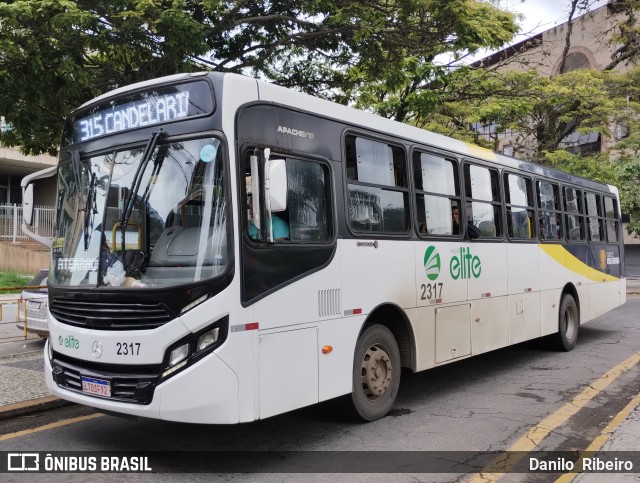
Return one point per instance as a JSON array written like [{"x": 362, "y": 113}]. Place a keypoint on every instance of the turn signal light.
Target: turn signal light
[{"x": 327, "y": 349}]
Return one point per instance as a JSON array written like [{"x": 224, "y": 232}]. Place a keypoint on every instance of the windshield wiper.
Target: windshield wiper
[
  {"x": 129, "y": 201},
  {"x": 90, "y": 208}
]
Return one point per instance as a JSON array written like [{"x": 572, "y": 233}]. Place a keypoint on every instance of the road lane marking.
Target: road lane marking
[
  {"x": 597, "y": 443},
  {"x": 46, "y": 427},
  {"x": 541, "y": 430}
]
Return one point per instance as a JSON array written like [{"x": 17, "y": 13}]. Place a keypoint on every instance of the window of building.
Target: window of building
[
  {"x": 377, "y": 186},
  {"x": 519, "y": 204},
  {"x": 549, "y": 211},
  {"x": 482, "y": 188},
  {"x": 10, "y": 190},
  {"x": 437, "y": 194}
]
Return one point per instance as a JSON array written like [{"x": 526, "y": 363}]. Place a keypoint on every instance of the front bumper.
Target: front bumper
[{"x": 206, "y": 392}]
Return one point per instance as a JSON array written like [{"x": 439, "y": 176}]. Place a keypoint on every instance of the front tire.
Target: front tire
[
  {"x": 376, "y": 373},
  {"x": 568, "y": 325}
]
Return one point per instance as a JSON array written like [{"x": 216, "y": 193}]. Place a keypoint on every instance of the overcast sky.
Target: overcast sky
[{"x": 540, "y": 15}]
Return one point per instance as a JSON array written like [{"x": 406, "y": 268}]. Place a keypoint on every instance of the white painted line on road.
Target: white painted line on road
[{"x": 541, "y": 430}]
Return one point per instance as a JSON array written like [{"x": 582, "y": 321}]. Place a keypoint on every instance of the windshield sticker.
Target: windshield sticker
[
  {"x": 208, "y": 153},
  {"x": 77, "y": 264}
]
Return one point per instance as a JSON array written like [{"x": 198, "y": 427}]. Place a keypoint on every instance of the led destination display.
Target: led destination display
[{"x": 144, "y": 109}]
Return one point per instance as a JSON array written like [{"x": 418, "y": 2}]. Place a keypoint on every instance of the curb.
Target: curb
[{"x": 32, "y": 406}]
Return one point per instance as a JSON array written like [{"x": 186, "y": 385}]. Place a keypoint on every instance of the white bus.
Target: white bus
[{"x": 227, "y": 250}]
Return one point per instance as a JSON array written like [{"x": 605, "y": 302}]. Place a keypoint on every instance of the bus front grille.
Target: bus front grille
[
  {"x": 110, "y": 315},
  {"x": 133, "y": 384}
]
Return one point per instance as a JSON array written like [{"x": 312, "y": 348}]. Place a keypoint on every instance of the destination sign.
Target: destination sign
[{"x": 144, "y": 109}]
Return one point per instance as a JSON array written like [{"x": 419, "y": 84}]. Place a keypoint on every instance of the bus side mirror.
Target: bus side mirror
[
  {"x": 277, "y": 185},
  {"x": 27, "y": 204}
]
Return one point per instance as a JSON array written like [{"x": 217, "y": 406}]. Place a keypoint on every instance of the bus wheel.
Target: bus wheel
[
  {"x": 568, "y": 324},
  {"x": 376, "y": 373}
]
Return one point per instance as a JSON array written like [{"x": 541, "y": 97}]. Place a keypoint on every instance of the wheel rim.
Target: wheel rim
[
  {"x": 377, "y": 372},
  {"x": 569, "y": 322}
]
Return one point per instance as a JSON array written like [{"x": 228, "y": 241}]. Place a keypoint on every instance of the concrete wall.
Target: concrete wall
[{"x": 16, "y": 258}]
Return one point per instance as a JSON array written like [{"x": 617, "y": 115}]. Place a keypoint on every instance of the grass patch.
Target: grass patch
[{"x": 12, "y": 279}]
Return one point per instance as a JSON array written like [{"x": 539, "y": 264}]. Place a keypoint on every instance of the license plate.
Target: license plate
[
  {"x": 33, "y": 305},
  {"x": 99, "y": 387}
]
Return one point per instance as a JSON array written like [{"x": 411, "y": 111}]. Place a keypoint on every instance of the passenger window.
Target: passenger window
[
  {"x": 483, "y": 210},
  {"x": 307, "y": 201},
  {"x": 594, "y": 220},
  {"x": 519, "y": 204},
  {"x": 612, "y": 220},
  {"x": 549, "y": 211},
  {"x": 573, "y": 209},
  {"x": 437, "y": 194},
  {"x": 378, "y": 194},
  {"x": 307, "y": 217}
]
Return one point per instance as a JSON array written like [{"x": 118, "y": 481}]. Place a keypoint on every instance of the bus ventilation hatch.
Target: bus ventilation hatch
[{"x": 329, "y": 302}]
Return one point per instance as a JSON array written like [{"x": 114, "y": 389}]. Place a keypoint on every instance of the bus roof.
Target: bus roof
[{"x": 303, "y": 102}]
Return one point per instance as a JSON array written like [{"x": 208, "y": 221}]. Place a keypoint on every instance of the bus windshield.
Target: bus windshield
[{"x": 143, "y": 217}]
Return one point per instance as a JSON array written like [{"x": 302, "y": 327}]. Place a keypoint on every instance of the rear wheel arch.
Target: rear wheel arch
[{"x": 395, "y": 319}]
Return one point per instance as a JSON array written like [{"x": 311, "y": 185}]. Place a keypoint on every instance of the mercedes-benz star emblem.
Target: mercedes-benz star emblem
[{"x": 96, "y": 348}]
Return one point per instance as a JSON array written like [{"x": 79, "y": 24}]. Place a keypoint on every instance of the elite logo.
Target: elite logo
[
  {"x": 70, "y": 342},
  {"x": 465, "y": 265},
  {"x": 462, "y": 265},
  {"x": 432, "y": 263}
]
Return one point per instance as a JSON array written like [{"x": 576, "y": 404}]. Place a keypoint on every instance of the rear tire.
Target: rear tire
[
  {"x": 568, "y": 325},
  {"x": 376, "y": 373}
]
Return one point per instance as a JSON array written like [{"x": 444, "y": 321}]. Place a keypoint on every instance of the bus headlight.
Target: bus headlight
[
  {"x": 207, "y": 339},
  {"x": 178, "y": 354},
  {"x": 50, "y": 349},
  {"x": 194, "y": 347}
]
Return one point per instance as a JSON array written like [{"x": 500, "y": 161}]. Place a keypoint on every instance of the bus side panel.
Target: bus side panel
[
  {"x": 423, "y": 324},
  {"x": 491, "y": 280},
  {"x": 335, "y": 367},
  {"x": 549, "y": 309},
  {"x": 577, "y": 263},
  {"x": 616, "y": 293},
  {"x": 524, "y": 317},
  {"x": 523, "y": 261},
  {"x": 376, "y": 273},
  {"x": 288, "y": 370},
  {"x": 598, "y": 291},
  {"x": 598, "y": 298},
  {"x": 553, "y": 277},
  {"x": 489, "y": 325}
]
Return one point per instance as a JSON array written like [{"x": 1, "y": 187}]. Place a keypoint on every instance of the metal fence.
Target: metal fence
[{"x": 11, "y": 222}]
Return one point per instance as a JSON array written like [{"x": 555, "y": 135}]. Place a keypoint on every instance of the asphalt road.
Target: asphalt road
[{"x": 482, "y": 404}]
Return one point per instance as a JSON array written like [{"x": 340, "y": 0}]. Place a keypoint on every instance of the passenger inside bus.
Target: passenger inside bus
[
  {"x": 280, "y": 227},
  {"x": 472, "y": 230}
]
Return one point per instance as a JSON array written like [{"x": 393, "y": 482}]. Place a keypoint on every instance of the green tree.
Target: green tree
[{"x": 57, "y": 54}]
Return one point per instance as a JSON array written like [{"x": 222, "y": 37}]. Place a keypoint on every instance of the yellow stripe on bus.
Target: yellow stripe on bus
[
  {"x": 566, "y": 259},
  {"x": 480, "y": 152}
]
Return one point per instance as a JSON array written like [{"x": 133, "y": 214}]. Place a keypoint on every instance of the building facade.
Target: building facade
[{"x": 590, "y": 47}]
